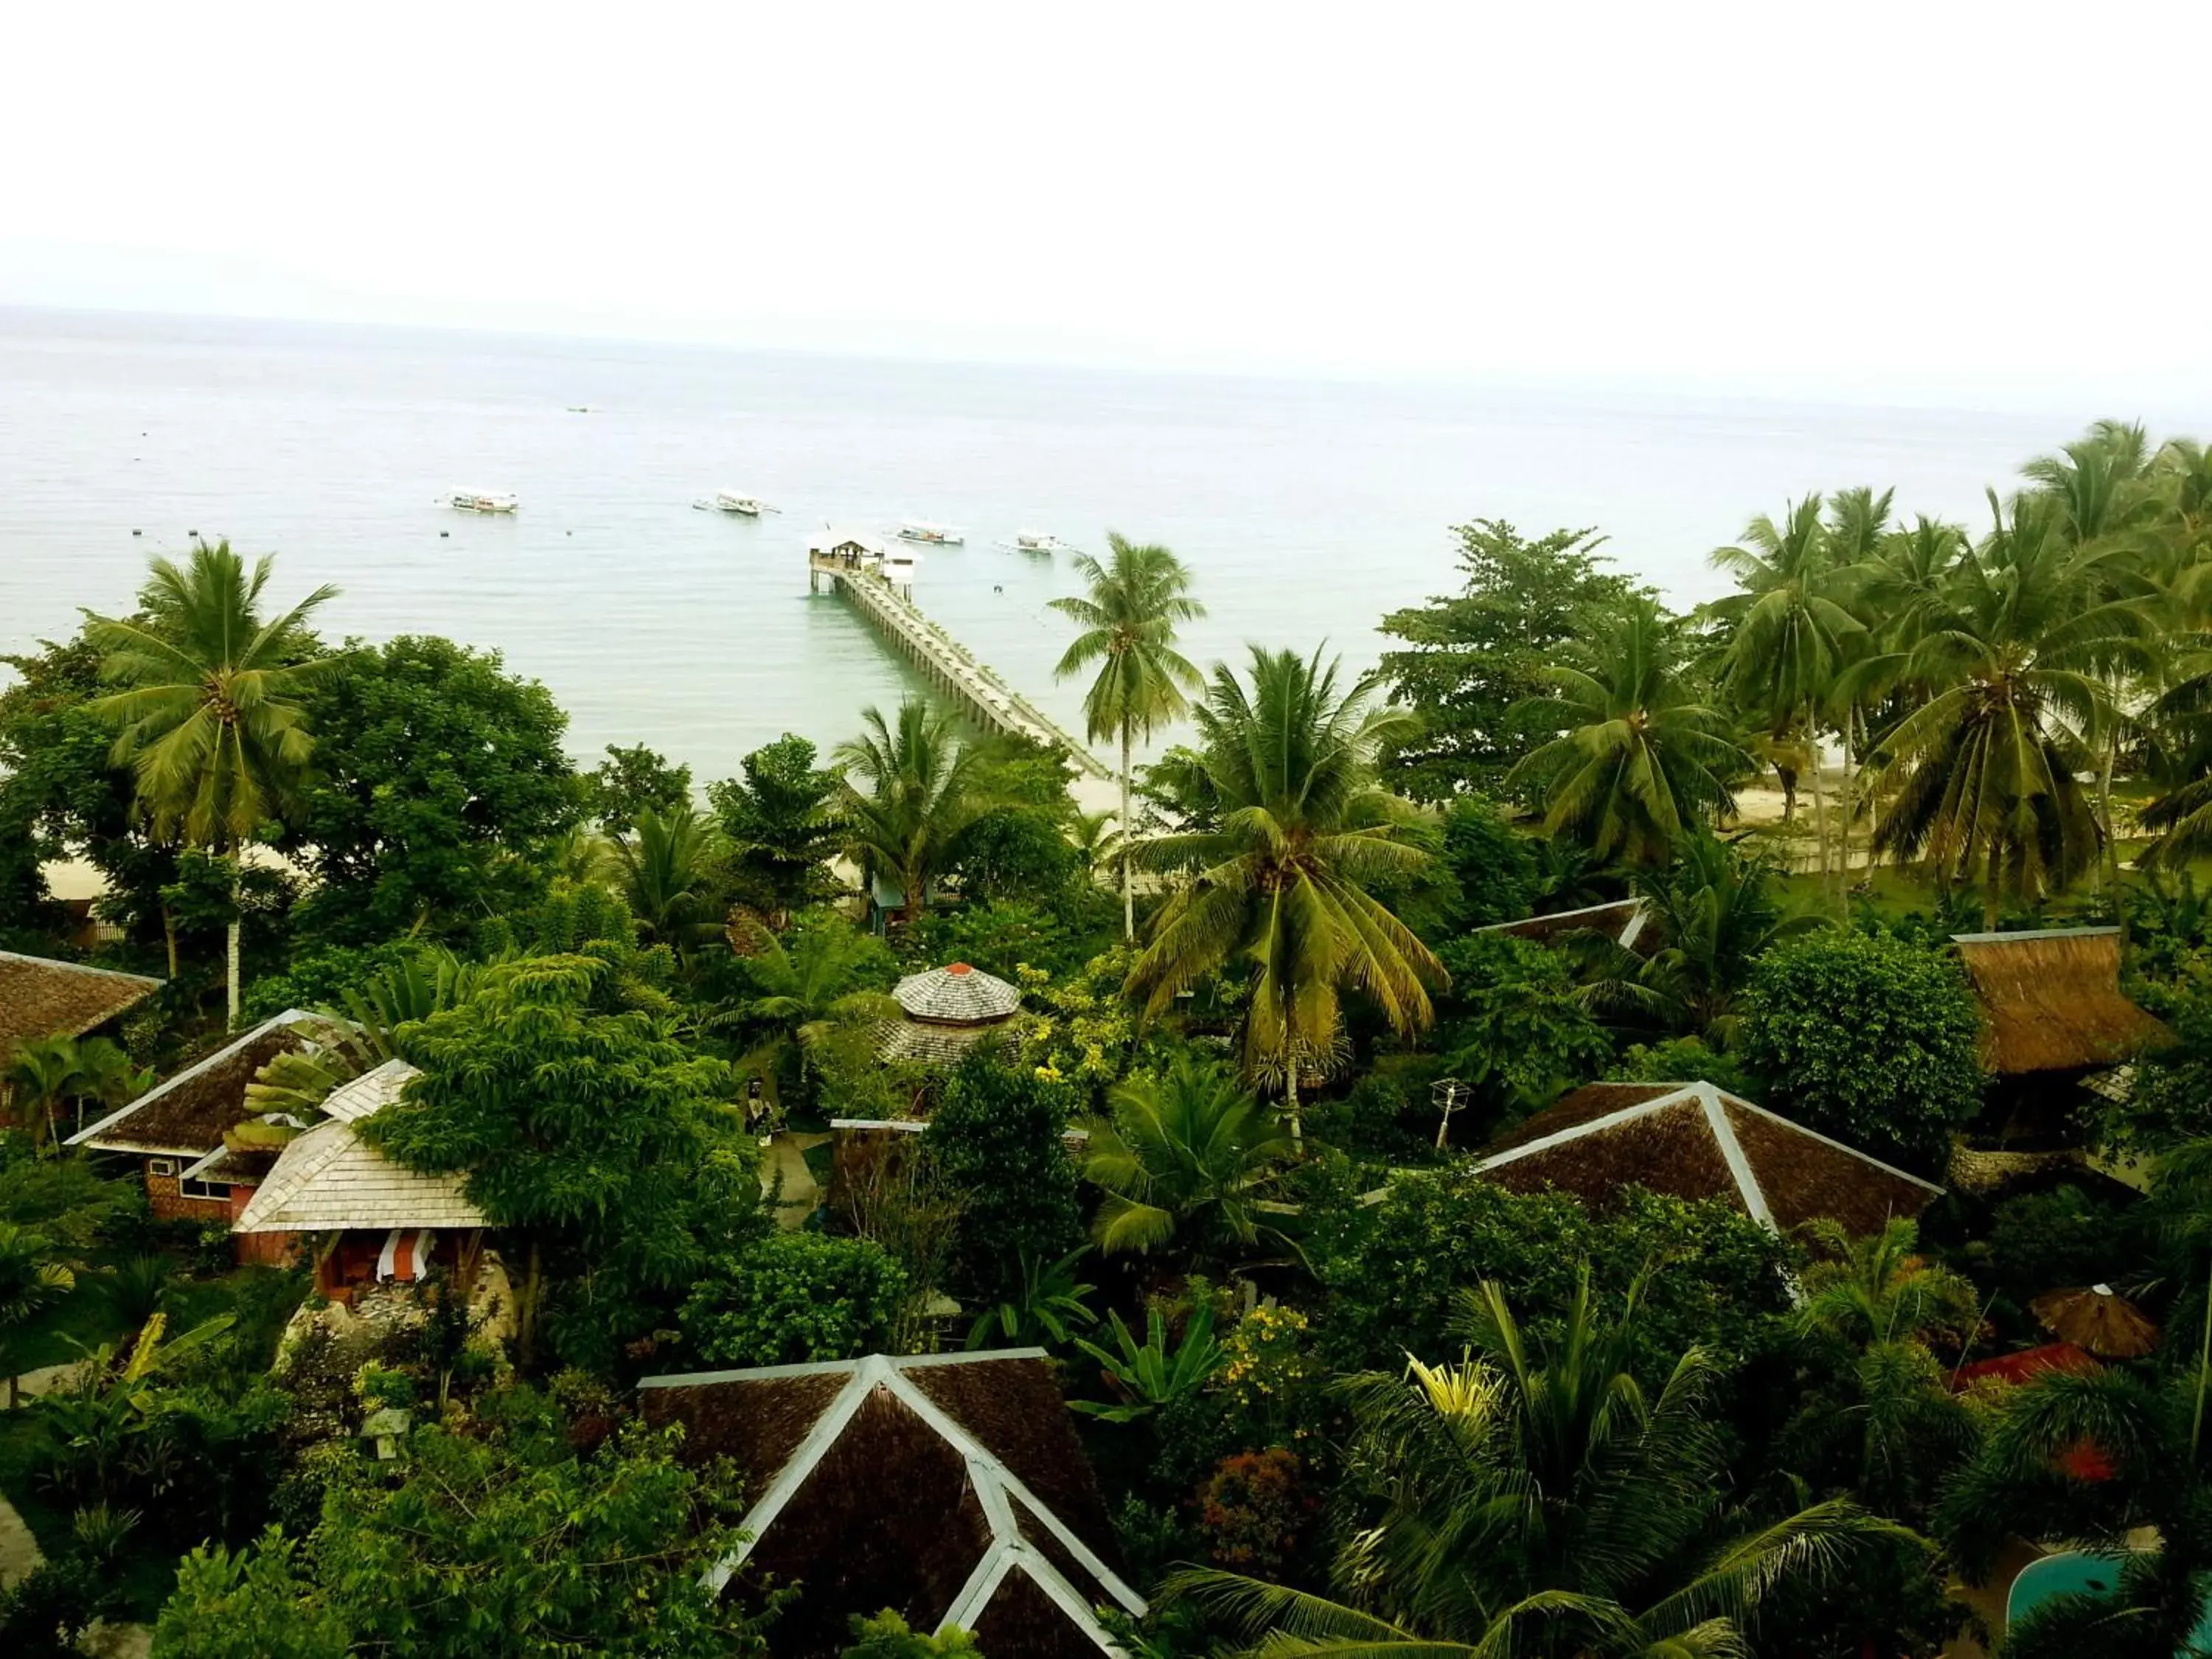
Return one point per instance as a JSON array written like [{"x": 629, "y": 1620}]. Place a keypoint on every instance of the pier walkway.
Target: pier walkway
[{"x": 981, "y": 695}]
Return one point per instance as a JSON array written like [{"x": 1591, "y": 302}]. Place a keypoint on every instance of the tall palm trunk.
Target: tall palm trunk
[
  {"x": 230, "y": 937},
  {"x": 1291, "y": 1102},
  {"x": 169, "y": 935},
  {"x": 2111, "y": 853},
  {"x": 1128, "y": 895},
  {"x": 1820, "y": 803}
]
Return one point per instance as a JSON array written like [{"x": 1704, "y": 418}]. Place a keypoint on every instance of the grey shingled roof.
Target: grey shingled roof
[
  {"x": 330, "y": 1179},
  {"x": 368, "y": 1093},
  {"x": 957, "y": 995}
]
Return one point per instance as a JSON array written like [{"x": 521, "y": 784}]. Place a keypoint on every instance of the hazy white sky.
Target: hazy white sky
[{"x": 1872, "y": 191}]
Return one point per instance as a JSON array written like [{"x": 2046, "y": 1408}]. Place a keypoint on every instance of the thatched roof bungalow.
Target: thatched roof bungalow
[
  {"x": 948, "y": 1487},
  {"x": 945, "y": 1010},
  {"x": 1626, "y": 922},
  {"x": 2051, "y": 1001},
  {"x": 1693, "y": 1140},
  {"x": 41, "y": 997},
  {"x": 373, "y": 1221},
  {"x": 176, "y": 1124}
]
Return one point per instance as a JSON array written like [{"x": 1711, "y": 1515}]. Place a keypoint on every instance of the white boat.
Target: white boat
[
  {"x": 728, "y": 500},
  {"x": 931, "y": 535},
  {"x": 484, "y": 501},
  {"x": 1039, "y": 541}
]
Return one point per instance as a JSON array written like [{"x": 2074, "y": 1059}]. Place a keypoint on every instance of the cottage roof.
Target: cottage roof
[
  {"x": 2051, "y": 1000},
  {"x": 186, "y": 1115},
  {"x": 1693, "y": 1140},
  {"x": 948, "y": 1486},
  {"x": 369, "y": 1093},
  {"x": 41, "y": 997},
  {"x": 957, "y": 995},
  {"x": 1624, "y": 922},
  {"x": 330, "y": 1179}
]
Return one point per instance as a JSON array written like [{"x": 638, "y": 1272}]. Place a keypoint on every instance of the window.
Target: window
[
  {"x": 160, "y": 1166},
  {"x": 215, "y": 1189}
]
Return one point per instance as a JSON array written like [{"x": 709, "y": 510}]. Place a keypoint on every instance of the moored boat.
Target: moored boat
[
  {"x": 729, "y": 500},
  {"x": 484, "y": 501},
  {"x": 931, "y": 535}
]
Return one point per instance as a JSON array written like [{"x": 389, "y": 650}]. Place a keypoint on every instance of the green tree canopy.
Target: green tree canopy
[
  {"x": 998, "y": 1136},
  {"x": 781, "y": 823},
  {"x": 632, "y": 781},
  {"x": 1473, "y": 658}
]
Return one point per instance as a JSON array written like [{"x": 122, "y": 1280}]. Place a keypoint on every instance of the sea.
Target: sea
[{"x": 1306, "y": 509}]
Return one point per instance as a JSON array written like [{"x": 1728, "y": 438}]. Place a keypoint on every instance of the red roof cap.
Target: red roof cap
[{"x": 959, "y": 967}]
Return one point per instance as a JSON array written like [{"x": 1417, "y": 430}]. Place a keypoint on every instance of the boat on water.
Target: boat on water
[
  {"x": 1039, "y": 541},
  {"x": 729, "y": 500},
  {"x": 931, "y": 535},
  {"x": 484, "y": 501}
]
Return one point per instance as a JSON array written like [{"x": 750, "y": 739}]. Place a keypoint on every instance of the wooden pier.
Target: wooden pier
[{"x": 981, "y": 693}]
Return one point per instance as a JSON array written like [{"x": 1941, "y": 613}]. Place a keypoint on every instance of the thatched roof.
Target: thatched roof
[
  {"x": 186, "y": 1115},
  {"x": 40, "y": 998},
  {"x": 2051, "y": 1000},
  {"x": 1624, "y": 922},
  {"x": 957, "y": 995},
  {"x": 1693, "y": 1140},
  {"x": 948, "y": 1487},
  {"x": 330, "y": 1179}
]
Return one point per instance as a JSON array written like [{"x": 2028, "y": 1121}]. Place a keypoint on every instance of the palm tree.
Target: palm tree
[
  {"x": 1184, "y": 1157},
  {"x": 924, "y": 787},
  {"x": 1280, "y": 883},
  {"x": 31, "y": 1280},
  {"x": 669, "y": 862},
  {"x": 49, "y": 1071},
  {"x": 1541, "y": 1504},
  {"x": 1714, "y": 913},
  {"x": 1986, "y": 770},
  {"x": 1640, "y": 760},
  {"x": 212, "y": 724},
  {"x": 1789, "y": 631},
  {"x": 1128, "y": 618},
  {"x": 828, "y": 973}
]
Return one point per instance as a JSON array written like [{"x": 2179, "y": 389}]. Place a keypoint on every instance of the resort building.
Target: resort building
[
  {"x": 945, "y": 1010},
  {"x": 366, "y": 1220},
  {"x": 1694, "y": 1140},
  {"x": 949, "y": 1488},
  {"x": 178, "y": 1127},
  {"x": 42, "y": 998},
  {"x": 2053, "y": 1014}
]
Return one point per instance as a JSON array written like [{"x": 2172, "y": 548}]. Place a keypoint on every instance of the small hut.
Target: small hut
[
  {"x": 949, "y": 1487},
  {"x": 1693, "y": 1140},
  {"x": 945, "y": 1011},
  {"x": 372, "y": 1221}
]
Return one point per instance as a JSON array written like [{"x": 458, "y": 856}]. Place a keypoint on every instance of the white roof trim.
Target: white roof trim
[
  {"x": 289, "y": 1016},
  {"x": 1791, "y": 1124},
  {"x": 1677, "y": 1094},
  {"x": 997, "y": 1487},
  {"x": 1740, "y": 1171}
]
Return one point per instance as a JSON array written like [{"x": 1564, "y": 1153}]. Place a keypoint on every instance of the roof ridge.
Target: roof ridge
[
  {"x": 1732, "y": 1153},
  {"x": 79, "y": 967},
  {"x": 1676, "y": 1093},
  {"x": 1826, "y": 1141},
  {"x": 205, "y": 1062}
]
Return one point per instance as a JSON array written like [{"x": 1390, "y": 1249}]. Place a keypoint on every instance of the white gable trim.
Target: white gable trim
[
  {"x": 1589, "y": 1126},
  {"x": 1796, "y": 1127},
  {"x": 289, "y": 1016},
  {"x": 1740, "y": 1170}
]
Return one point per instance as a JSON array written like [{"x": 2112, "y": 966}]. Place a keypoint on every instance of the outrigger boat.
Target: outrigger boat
[
  {"x": 482, "y": 500},
  {"x": 1037, "y": 541},
  {"x": 931, "y": 535},
  {"x": 727, "y": 500}
]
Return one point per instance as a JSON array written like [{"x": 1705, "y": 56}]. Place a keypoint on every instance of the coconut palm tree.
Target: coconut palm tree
[
  {"x": 1280, "y": 884},
  {"x": 1533, "y": 1500},
  {"x": 1713, "y": 912},
  {"x": 32, "y": 1280},
  {"x": 1985, "y": 771},
  {"x": 924, "y": 786},
  {"x": 1789, "y": 631},
  {"x": 824, "y": 974},
  {"x": 212, "y": 723},
  {"x": 670, "y": 862},
  {"x": 49, "y": 1071},
  {"x": 1640, "y": 760},
  {"x": 1128, "y": 619},
  {"x": 1184, "y": 1158}
]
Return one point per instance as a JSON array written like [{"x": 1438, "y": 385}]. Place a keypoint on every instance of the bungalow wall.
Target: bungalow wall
[{"x": 166, "y": 1196}]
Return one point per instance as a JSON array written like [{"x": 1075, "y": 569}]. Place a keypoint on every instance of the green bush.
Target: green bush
[
  {"x": 997, "y": 1138},
  {"x": 2039, "y": 1241},
  {"x": 1867, "y": 1039},
  {"x": 794, "y": 1298},
  {"x": 1512, "y": 1028},
  {"x": 1683, "y": 1060},
  {"x": 1396, "y": 1274}
]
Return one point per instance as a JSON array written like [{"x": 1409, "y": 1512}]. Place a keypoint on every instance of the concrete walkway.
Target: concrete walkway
[
  {"x": 19, "y": 1551},
  {"x": 786, "y": 1155},
  {"x": 46, "y": 1379}
]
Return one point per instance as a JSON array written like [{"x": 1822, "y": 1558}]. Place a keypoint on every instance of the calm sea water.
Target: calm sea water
[{"x": 1306, "y": 509}]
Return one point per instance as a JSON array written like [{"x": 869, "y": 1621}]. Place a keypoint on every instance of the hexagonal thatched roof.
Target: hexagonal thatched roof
[{"x": 957, "y": 995}]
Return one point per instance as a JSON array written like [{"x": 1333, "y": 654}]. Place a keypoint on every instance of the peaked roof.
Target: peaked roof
[
  {"x": 330, "y": 1179},
  {"x": 186, "y": 1115},
  {"x": 2051, "y": 1000},
  {"x": 42, "y": 997},
  {"x": 1624, "y": 921},
  {"x": 957, "y": 995},
  {"x": 949, "y": 1487},
  {"x": 1693, "y": 1140}
]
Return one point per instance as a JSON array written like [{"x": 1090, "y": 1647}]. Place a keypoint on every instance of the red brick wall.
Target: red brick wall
[{"x": 169, "y": 1205}]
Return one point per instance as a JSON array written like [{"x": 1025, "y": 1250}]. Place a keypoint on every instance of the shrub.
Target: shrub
[
  {"x": 793, "y": 1298},
  {"x": 1397, "y": 1271},
  {"x": 997, "y": 1138},
  {"x": 1253, "y": 1510},
  {"x": 1512, "y": 1026},
  {"x": 2039, "y": 1242},
  {"x": 1867, "y": 1039},
  {"x": 1490, "y": 862},
  {"x": 1683, "y": 1060}
]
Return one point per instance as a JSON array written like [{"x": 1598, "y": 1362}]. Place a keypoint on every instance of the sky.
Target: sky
[{"x": 1872, "y": 194}]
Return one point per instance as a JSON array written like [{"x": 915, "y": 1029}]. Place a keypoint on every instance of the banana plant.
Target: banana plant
[{"x": 1152, "y": 1375}]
